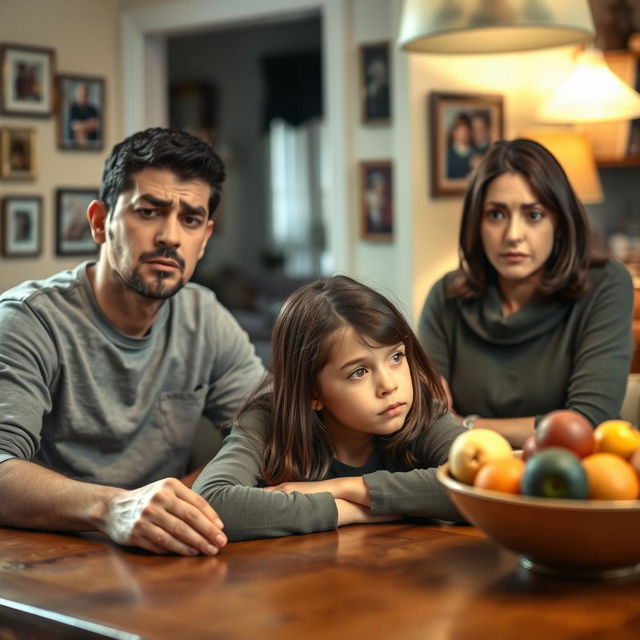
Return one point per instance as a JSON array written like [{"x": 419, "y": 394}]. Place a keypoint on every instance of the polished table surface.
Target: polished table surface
[{"x": 369, "y": 581}]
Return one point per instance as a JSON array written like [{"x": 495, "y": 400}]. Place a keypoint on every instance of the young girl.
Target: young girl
[{"x": 349, "y": 429}]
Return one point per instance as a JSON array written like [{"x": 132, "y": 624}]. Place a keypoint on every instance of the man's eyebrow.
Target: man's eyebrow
[
  {"x": 164, "y": 204},
  {"x": 153, "y": 200}
]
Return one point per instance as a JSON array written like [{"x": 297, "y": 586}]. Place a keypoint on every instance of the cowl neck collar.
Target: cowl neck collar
[{"x": 484, "y": 317}]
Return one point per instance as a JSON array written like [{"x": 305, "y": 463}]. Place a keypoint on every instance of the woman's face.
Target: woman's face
[{"x": 516, "y": 230}]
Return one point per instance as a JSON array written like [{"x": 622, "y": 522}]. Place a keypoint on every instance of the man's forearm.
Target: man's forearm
[{"x": 36, "y": 497}]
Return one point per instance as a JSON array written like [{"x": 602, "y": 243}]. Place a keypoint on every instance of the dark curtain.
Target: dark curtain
[{"x": 293, "y": 88}]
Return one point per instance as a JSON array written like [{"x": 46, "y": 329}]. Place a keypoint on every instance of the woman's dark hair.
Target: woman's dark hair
[
  {"x": 566, "y": 268},
  {"x": 298, "y": 446},
  {"x": 187, "y": 156}
]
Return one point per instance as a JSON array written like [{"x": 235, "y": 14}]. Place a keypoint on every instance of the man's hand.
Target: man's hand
[{"x": 164, "y": 517}]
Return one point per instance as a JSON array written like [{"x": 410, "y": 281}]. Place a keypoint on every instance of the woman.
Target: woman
[{"x": 529, "y": 322}]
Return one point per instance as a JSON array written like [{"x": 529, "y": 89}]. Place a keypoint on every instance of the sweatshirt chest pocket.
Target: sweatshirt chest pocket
[{"x": 180, "y": 412}]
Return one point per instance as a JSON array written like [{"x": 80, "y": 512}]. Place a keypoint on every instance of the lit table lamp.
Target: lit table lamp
[
  {"x": 591, "y": 93},
  {"x": 573, "y": 151}
]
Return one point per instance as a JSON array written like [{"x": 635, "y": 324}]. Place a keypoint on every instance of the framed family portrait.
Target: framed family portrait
[
  {"x": 73, "y": 233},
  {"x": 375, "y": 83},
  {"x": 21, "y": 226},
  {"x": 27, "y": 80},
  {"x": 80, "y": 112},
  {"x": 462, "y": 126},
  {"x": 18, "y": 153},
  {"x": 376, "y": 200}
]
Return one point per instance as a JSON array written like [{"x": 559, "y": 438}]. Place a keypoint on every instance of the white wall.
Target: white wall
[{"x": 85, "y": 37}]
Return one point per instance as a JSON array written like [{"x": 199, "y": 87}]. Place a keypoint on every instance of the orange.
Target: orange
[
  {"x": 500, "y": 474},
  {"x": 610, "y": 477},
  {"x": 616, "y": 436}
]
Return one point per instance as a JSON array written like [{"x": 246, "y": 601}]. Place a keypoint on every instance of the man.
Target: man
[
  {"x": 105, "y": 370},
  {"x": 84, "y": 118}
]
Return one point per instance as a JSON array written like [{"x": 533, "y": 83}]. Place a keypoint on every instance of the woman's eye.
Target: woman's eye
[
  {"x": 358, "y": 373},
  {"x": 494, "y": 214},
  {"x": 536, "y": 215}
]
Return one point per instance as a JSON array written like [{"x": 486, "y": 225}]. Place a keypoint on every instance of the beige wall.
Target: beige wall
[{"x": 85, "y": 37}]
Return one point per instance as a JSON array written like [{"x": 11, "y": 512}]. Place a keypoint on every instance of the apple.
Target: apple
[
  {"x": 568, "y": 429},
  {"x": 555, "y": 472},
  {"x": 471, "y": 449},
  {"x": 529, "y": 447}
]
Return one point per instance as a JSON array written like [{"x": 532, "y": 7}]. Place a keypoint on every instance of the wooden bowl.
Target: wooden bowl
[{"x": 599, "y": 538}]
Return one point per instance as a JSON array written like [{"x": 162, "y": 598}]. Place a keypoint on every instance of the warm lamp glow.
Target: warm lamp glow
[
  {"x": 493, "y": 26},
  {"x": 572, "y": 150},
  {"x": 591, "y": 93}
]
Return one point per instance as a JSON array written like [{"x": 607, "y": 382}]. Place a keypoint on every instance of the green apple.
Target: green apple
[
  {"x": 471, "y": 449},
  {"x": 555, "y": 472}
]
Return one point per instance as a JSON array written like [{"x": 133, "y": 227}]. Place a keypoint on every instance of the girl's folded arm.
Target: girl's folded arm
[{"x": 230, "y": 482}]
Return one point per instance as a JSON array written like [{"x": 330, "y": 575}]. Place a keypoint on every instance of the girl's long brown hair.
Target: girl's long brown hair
[
  {"x": 566, "y": 268},
  {"x": 298, "y": 446}
]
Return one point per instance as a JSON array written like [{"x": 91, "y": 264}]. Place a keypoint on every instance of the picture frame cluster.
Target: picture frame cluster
[
  {"x": 375, "y": 177},
  {"x": 31, "y": 88}
]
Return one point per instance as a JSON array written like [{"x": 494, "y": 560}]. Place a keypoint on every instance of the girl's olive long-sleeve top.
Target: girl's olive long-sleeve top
[
  {"x": 231, "y": 484},
  {"x": 548, "y": 355}
]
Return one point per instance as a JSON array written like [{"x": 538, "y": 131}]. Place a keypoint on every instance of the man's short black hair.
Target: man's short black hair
[{"x": 187, "y": 156}]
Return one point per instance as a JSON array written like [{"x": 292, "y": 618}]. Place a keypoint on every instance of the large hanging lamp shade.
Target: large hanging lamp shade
[{"x": 493, "y": 26}]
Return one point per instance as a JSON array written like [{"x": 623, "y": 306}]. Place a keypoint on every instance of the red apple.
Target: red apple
[{"x": 567, "y": 429}]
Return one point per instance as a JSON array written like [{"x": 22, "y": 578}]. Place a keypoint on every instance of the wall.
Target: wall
[{"x": 85, "y": 37}]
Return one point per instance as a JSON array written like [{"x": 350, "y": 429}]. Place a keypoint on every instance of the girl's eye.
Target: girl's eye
[
  {"x": 358, "y": 373},
  {"x": 398, "y": 356}
]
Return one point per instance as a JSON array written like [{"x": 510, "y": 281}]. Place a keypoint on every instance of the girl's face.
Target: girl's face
[
  {"x": 516, "y": 230},
  {"x": 363, "y": 389}
]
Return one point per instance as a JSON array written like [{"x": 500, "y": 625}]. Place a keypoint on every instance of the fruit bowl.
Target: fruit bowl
[{"x": 592, "y": 538}]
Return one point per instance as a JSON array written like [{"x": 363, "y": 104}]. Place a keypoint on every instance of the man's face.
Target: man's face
[{"x": 157, "y": 232}]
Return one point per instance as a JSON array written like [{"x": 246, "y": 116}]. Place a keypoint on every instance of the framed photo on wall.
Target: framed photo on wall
[
  {"x": 462, "y": 126},
  {"x": 375, "y": 83},
  {"x": 80, "y": 108},
  {"x": 18, "y": 153},
  {"x": 27, "y": 80},
  {"x": 376, "y": 200},
  {"x": 21, "y": 226},
  {"x": 73, "y": 233}
]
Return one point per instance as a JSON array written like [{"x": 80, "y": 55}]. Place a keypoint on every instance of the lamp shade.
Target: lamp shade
[
  {"x": 572, "y": 150},
  {"x": 591, "y": 93},
  {"x": 493, "y": 26}
]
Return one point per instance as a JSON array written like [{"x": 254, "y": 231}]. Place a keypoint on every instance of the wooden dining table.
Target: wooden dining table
[{"x": 393, "y": 581}]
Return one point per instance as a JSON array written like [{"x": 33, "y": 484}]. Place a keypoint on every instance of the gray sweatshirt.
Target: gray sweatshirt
[{"x": 83, "y": 399}]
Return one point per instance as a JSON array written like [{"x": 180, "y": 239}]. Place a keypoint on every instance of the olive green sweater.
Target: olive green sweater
[
  {"x": 231, "y": 484},
  {"x": 548, "y": 355}
]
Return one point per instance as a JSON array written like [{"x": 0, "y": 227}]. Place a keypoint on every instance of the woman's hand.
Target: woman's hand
[{"x": 352, "y": 489}]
